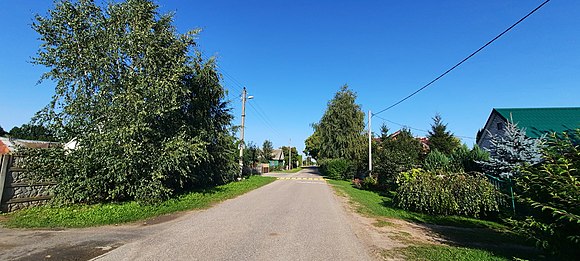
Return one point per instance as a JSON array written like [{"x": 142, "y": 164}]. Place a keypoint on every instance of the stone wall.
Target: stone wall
[{"x": 19, "y": 190}]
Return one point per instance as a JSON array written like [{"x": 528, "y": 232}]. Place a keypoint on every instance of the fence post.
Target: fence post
[
  {"x": 512, "y": 195},
  {"x": 5, "y": 159}
]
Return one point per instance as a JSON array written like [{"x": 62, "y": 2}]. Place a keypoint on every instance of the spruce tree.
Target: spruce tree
[
  {"x": 440, "y": 139},
  {"x": 511, "y": 151}
]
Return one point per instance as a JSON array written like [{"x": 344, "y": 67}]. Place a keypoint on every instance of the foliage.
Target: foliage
[
  {"x": 512, "y": 151},
  {"x": 251, "y": 154},
  {"x": 369, "y": 183},
  {"x": 552, "y": 190},
  {"x": 468, "y": 195},
  {"x": 150, "y": 119},
  {"x": 32, "y": 132},
  {"x": 440, "y": 139},
  {"x": 376, "y": 203},
  {"x": 251, "y": 157},
  {"x": 468, "y": 159},
  {"x": 2, "y": 131},
  {"x": 394, "y": 154},
  {"x": 477, "y": 233},
  {"x": 295, "y": 156},
  {"x": 267, "y": 149},
  {"x": 312, "y": 144},
  {"x": 115, "y": 213},
  {"x": 438, "y": 162},
  {"x": 340, "y": 169},
  {"x": 341, "y": 127},
  {"x": 462, "y": 159}
]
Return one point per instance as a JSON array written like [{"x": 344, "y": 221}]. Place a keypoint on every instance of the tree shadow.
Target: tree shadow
[
  {"x": 462, "y": 232},
  {"x": 500, "y": 243}
]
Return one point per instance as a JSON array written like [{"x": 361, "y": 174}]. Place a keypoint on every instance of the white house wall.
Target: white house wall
[{"x": 491, "y": 127}]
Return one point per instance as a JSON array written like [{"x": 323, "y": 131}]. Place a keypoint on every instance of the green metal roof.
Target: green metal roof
[{"x": 539, "y": 121}]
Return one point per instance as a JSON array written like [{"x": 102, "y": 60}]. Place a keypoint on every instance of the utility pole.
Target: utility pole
[
  {"x": 242, "y": 144},
  {"x": 370, "y": 144},
  {"x": 290, "y": 154}
]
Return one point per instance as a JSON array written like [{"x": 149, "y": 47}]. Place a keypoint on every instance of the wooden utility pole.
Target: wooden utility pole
[
  {"x": 370, "y": 144},
  {"x": 290, "y": 155}
]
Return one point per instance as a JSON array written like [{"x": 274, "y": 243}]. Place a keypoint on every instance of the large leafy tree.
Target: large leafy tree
[
  {"x": 295, "y": 156},
  {"x": 440, "y": 138},
  {"x": 312, "y": 144},
  {"x": 150, "y": 117},
  {"x": 32, "y": 132},
  {"x": 2, "y": 131},
  {"x": 267, "y": 149},
  {"x": 395, "y": 153},
  {"x": 341, "y": 127},
  {"x": 251, "y": 154}
]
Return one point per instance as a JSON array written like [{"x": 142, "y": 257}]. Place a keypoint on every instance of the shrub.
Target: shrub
[
  {"x": 552, "y": 191},
  {"x": 395, "y": 153},
  {"x": 368, "y": 183},
  {"x": 337, "y": 169},
  {"x": 438, "y": 162},
  {"x": 468, "y": 195}
]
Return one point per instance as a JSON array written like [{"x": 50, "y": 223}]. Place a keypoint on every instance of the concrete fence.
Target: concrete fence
[{"x": 18, "y": 189}]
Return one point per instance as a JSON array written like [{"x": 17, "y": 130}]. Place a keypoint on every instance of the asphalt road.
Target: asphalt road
[{"x": 295, "y": 218}]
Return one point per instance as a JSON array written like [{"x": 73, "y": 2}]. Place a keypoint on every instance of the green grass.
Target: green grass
[
  {"x": 473, "y": 239},
  {"x": 115, "y": 213},
  {"x": 444, "y": 253},
  {"x": 372, "y": 203}
]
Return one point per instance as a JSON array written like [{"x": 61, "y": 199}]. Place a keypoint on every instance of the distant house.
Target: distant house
[
  {"x": 277, "y": 158},
  {"x": 9, "y": 145},
  {"x": 423, "y": 140},
  {"x": 536, "y": 121}
]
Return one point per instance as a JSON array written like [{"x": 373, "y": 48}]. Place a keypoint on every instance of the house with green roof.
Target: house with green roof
[{"x": 536, "y": 121}]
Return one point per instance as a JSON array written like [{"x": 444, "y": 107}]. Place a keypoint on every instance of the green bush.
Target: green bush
[
  {"x": 437, "y": 162},
  {"x": 462, "y": 159},
  {"x": 468, "y": 195},
  {"x": 337, "y": 169},
  {"x": 369, "y": 183},
  {"x": 552, "y": 191},
  {"x": 394, "y": 154}
]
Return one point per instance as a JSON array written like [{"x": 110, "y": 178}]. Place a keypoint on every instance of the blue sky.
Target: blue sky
[{"x": 294, "y": 55}]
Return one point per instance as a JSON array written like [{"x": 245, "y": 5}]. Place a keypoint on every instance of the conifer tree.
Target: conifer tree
[
  {"x": 511, "y": 151},
  {"x": 440, "y": 139}
]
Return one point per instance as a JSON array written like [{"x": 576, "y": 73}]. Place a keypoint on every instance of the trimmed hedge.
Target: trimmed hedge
[
  {"x": 469, "y": 195},
  {"x": 340, "y": 169}
]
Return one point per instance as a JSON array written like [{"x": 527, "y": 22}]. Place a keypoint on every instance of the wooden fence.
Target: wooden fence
[{"x": 19, "y": 190}]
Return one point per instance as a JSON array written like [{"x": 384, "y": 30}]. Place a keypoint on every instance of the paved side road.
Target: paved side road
[{"x": 291, "y": 219}]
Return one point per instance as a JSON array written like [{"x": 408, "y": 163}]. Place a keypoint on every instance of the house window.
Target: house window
[{"x": 499, "y": 126}]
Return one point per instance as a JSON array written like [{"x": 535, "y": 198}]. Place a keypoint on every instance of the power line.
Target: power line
[
  {"x": 465, "y": 59},
  {"x": 417, "y": 129},
  {"x": 264, "y": 119}
]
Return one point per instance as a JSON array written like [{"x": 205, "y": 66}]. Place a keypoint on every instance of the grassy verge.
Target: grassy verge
[
  {"x": 114, "y": 213},
  {"x": 444, "y": 253},
  {"x": 372, "y": 203},
  {"x": 472, "y": 239}
]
